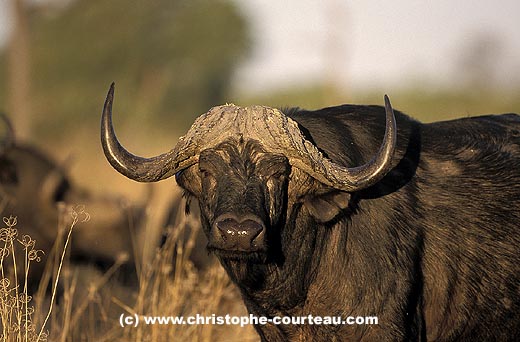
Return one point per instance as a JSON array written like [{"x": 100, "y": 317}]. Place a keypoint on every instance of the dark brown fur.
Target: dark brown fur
[{"x": 432, "y": 250}]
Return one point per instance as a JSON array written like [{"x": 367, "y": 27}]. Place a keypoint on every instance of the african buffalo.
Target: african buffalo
[
  {"x": 310, "y": 214},
  {"x": 31, "y": 188}
]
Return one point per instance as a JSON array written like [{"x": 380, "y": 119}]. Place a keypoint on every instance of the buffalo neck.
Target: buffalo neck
[
  {"x": 334, "y": 261},
  {"x": 282, "y": 286}
]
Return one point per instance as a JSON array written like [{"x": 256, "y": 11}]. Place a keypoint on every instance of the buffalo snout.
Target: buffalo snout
[{"x": 238, "y": 233}]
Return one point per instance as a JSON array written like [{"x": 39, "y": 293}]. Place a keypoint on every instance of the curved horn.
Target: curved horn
[
  {"x": 132, "y": 166},
  {"x": 361, "y": 177},
  {"x": 8, "y": 139}
]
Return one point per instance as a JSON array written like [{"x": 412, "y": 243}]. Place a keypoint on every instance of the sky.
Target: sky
[
  {"x": 369, "y": 43},
  {"x": 372, "y": 43}
]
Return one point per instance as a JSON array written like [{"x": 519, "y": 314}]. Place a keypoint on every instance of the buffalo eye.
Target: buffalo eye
[
  {"x": 276, "y": 176},
  {"x": 275, "y": 168},
  {"x": 279, "y": 175},
  {"x": 205, "y": 173},
  {"x": 207, "y": 177}
]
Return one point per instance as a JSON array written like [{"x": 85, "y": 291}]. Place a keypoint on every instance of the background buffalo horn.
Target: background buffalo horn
[
  {"x": 7, "y": 139},
  {"x": 51, "y": 185},
  {"x": 275, "y": 131}
]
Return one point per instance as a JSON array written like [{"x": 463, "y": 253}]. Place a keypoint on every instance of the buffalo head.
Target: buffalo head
[
  {"x": 250, "y": 168},
  {"x": 33, "y": 187}
]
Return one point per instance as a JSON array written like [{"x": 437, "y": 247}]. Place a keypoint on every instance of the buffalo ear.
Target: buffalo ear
[
  {"x": 326, "y": 207},
  {"x": 189, "y": 180}
]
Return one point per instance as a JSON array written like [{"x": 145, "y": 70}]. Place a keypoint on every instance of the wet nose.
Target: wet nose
[{"x": 246, "y": 234}]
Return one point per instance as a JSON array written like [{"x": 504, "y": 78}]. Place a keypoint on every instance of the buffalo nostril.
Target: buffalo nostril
[
  {"x": 233, "y": 229},
  {"x": 251, "y": 228},
  {"x": 239, "y": 235}
]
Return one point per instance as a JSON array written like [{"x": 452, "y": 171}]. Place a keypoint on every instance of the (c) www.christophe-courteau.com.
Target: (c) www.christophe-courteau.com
[{"x": 135, "y": 320}]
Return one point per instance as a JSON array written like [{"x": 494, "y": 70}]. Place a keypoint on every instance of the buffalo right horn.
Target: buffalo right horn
[{"x": 132, "y": 166}]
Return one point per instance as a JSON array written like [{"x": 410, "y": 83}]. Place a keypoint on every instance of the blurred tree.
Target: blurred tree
[
  {"x": 171, "y": 59},
  {"x": 478, "y": 61},
  {"x": 18, "y": 69}
]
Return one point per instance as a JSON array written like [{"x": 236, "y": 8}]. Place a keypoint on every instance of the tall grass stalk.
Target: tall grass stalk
[
  {"x": 77, "y": 214},
  {"x": 15, "y": 312}
]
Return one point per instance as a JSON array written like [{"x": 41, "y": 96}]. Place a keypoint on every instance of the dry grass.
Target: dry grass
[
  {"x": 16, "y": 310},
  {"x": 178, "y": 289},
  {"x": 87, "y": 304}
]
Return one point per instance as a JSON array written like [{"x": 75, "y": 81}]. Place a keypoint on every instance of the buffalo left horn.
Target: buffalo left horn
[{"x": 275, "y": 131}]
